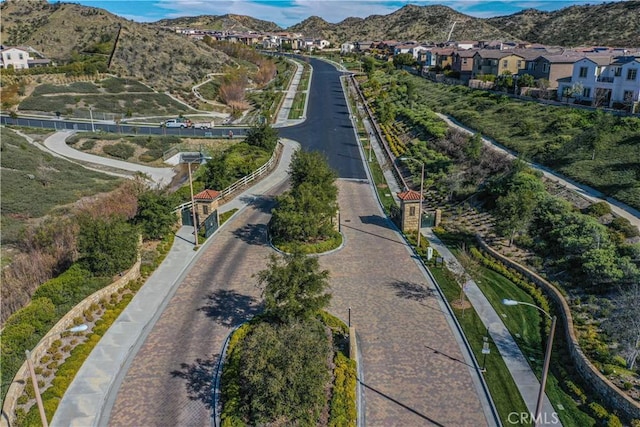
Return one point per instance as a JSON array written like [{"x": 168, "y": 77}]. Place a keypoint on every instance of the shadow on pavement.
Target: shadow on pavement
[
  {"x": 412, "y": 291},
  {"x": 253, "y": 234},
  {"x": 263, "y": 204},
  {"x": 230, "y": 308},
  {"x": 199, "y": 377},
  {"x": 376, "y": 220},
  {"x": 450, "y": 357},
  {"x": 343, "y": 225},
  {"x": 425, "y": 417}
]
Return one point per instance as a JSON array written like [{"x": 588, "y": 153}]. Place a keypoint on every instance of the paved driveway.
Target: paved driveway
[{"x": 414, "y": 370}]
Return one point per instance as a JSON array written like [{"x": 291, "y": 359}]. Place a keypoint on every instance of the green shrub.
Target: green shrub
[
  {"x": 627, "y": 385},
  {"x": 598, "y": 411},
  {"x": 614, "y": 421},
  {"x": 120, "y": 150},
  {"x": 624, "y": 226},
  {"x": 598, "y": 209},
  {"x": 343, "y": 410}
]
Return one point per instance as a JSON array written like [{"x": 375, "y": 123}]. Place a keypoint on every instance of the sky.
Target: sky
[{"x": 286, "y": 13}]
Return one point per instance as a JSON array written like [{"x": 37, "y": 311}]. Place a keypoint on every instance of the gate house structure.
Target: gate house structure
[{"x": 206, "y": 205}]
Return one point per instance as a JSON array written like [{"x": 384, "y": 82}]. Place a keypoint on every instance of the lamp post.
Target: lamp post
[
  {"x": 34, "y": 380},
  {"x": 193, "y": 207},
  {"x": 93, "y": 129},
  {"x": 547, "y": 354},
  {"x": 421, "y": 196},
  {"x": 370, "y": 144}
]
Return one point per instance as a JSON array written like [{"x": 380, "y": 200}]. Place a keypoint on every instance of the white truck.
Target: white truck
[{"x": 203, "y": 125}]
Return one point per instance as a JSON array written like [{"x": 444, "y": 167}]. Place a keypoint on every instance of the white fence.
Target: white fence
[{"x": 245, "y": 180}]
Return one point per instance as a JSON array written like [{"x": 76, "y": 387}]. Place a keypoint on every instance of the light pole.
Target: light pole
[
  {"x": 547, "y": 354},
  {"x": 370, "y": 144},
  {"x": 34, "y": 380},
  {"x": 93, "y": 129},
  {"x": 421, "y": 196},
  {"x": 193, "y": 207}
]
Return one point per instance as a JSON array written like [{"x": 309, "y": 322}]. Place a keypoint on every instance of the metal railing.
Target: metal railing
[{"x": 245, "y": 180}]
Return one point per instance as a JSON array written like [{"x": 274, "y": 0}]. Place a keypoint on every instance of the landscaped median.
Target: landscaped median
[{"x": 289, "y": 365}]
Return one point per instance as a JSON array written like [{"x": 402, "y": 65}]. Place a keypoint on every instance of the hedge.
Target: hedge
[{"x": 343, "y": 410}]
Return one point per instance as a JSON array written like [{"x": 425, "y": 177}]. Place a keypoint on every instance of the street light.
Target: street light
[
  {"x": 421, "y": 197},
  {"x": 34, "y": 380},
  {"x": 547, "y": 354},
  {"x": 93, "y": 129},
  {"x": 193, "y": 207}
]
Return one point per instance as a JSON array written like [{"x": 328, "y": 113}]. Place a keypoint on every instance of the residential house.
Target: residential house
[
  {"x": 557, "y": 69},
  {"x": 19, "y": 58},
  {"x": 585, "y": 73},
  {"x": 364, "y": 46},
  {"x": 14, "y": 57},
  {"x": 347, "y": 47},
  {"x": 462, "y": 63},
  {"x": 465, "y": 45},
  {"x": 497, "y": 62},
  {"x": 606, "y": 82},
  {"x": 626, "y": 83},
  {"x": 321, "y": 43}
]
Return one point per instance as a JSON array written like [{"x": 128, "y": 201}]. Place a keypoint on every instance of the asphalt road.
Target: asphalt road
[{"x": 328, "y": 128}]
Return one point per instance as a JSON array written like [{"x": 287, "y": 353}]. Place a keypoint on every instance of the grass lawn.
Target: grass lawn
[
  {"x": 297, "y": 108},
  {"x": 503, "y": 390}
]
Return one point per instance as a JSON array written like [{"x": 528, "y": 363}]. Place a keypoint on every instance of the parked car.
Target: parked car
[{"x": 177, "y": 123}]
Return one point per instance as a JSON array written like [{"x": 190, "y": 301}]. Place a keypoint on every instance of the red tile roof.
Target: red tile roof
[
  {"x": 409, "y": 195},
  {"x": 207, "y": 195}
]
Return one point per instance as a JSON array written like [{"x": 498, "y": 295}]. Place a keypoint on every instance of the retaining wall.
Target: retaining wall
[
  {"x": 22, "y": 377},
  {"x": 612, "y": 396}
]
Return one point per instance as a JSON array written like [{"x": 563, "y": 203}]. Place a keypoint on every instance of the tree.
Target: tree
[
  {"x": 154, "y": 217},
  {"x": 263, "y": 136},
  {"x": 306, "y": 212},
  {"x": 624, "y": 325},
  {"x": 403, "y": 59},
  {"x": 526, "y": 80},
  {"x": 294, "y": 287},
  {"x": 107, "y": 246},
  {"x": 283, "y": 373},
  {"x": 514, "y": 212},
  {"x": 473, "y": 147}
]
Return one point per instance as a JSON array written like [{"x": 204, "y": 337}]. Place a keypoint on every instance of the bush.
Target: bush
[
  {"x": 598, "y": 411},
  {"x": 343, "y": 410},
  {"x": 598, "y": 209},
  {"x": 120, "y": 150},
  {"x": 624, "y": 226}
]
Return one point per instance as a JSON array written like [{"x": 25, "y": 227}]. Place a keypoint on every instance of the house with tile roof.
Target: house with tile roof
[{"x": 496, "y": 62}]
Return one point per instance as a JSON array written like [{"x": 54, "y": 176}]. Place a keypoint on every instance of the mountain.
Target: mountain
[
  {"x": 421, "y": 23},
  {"x": 238, "y": 23},
  {"x": 608, "y": 24},
  {"x": 156, "y": 55}
]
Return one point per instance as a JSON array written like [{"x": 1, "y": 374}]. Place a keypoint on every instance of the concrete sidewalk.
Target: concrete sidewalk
[
  {"x": 88, "y": 400},
  {"x": 523, "y": 376}
]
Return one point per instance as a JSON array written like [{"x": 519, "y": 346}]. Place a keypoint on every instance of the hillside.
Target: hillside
[
  {"x": 239, "y": 23},
  {"x": 610, "y": 24},
  {"x": 422, "y": 23},
  {"x": 59, "y": 31}
]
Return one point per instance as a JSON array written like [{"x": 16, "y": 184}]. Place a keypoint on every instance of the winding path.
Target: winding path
[{"x": 591, "y": 194}]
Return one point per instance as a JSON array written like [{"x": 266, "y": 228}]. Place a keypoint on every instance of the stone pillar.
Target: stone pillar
[{"x": 410, "y": 210}]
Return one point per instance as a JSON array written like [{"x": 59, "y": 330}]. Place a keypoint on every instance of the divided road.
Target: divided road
[{"x": 415, "y": 370}]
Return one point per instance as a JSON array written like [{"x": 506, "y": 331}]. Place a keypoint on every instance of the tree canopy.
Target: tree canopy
[{"x": 294, "y": 287}]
